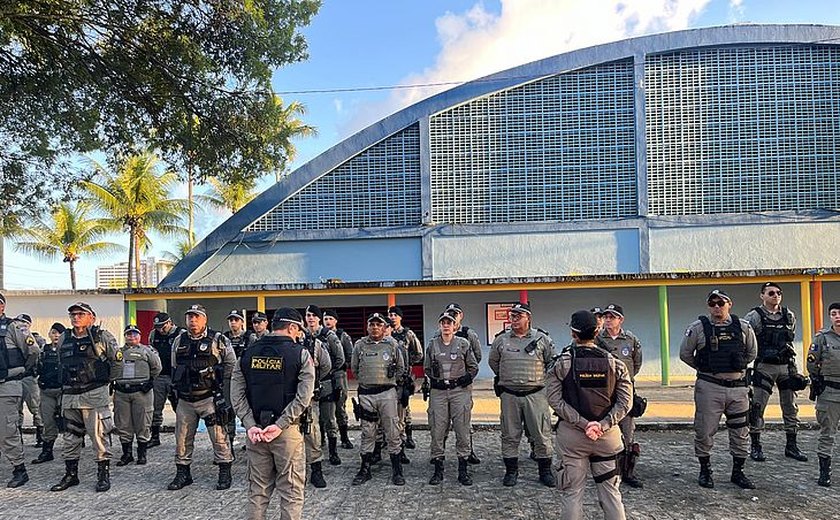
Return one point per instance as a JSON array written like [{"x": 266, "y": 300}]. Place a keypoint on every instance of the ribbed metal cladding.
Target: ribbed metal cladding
[
  {"x": 379, "y": 187},
  {"x": 743, "y": 129},
  {"x": 557, "y": 149}
]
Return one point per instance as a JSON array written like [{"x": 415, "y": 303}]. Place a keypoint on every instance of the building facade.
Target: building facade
[{"x": 115, "y": 276}]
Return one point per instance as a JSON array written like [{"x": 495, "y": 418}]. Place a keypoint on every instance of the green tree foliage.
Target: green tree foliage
[
  {"x": 136, "y": 198},
  {"x": 230, "y": 196},
  {"x": 190, "y": 78},
  {"x": 70, "y": 233}
]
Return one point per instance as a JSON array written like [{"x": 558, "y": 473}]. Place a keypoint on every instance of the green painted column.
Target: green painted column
[
  {"x": 131, "y": 315},
  {"x": 664, "y": 338}
]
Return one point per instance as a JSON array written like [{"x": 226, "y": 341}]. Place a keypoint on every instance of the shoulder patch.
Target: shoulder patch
[
  {"x": 30, "y": 340},
  {"x": 813, "y": 347},
  {"x": 688, "y": 332},
  {"x": 119, "y": 355},
  {"x": 812, "y": 358}
]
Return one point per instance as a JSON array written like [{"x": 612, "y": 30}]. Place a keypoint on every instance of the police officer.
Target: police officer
[
  {"x": 31, "y": 392},
  {"x": 774, "y": 328},
  {"x": 239, "y": 341},
  {"x": 470, "y": 335},
  {"x": 88, "y": 354},
  {"x": 272, "y": 385},
  {"x": 329, "y": 384},
  {"x": 331, "y": 322},
  {"x": 624, "y": 346},
  {"x": 587, "y": 437},
  {"x": 133, "y": 396},
  {"x": 600, "y": 318},
  {"x": 201, "y": 360},
  {"x": 161, "y": 339},
  {"x": 519, "y": 358},
  {"x": 451, "y": 366},
  {"x": 259, "y": 322},
  {"x": 319, "y": 352},
  {"x": 49, "y": 383},
  {"x": 377, "y": 365},
  {"x": 824, "y": 368},
  {"x": 720, "y": 347},
  {"x": 412, "y": 352},
  {"x": 18, "y": 357}
]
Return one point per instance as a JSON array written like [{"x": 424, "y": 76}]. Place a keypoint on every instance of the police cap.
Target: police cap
[
  {"x": 196, "y": 309},
  {"x": 161, "y": 318},
  {"x": 583, "y": 322},
  {"x": 81, "y": 306},
  {"x": 315, "y": 311},
  {"x": 284, "y": 315}
]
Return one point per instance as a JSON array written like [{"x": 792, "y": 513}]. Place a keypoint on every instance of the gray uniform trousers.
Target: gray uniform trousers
[
  {"x": 10, "y": 443},
  {"x": 576, "y": 456},
  {"x": 385, "y": 403},
  {"x": 186, "y": 422},
  {"x": 787, "y": 397},
  {"x": 314, "y": 453},
  {"x": 534, "y": 412},
  {"x": 280, "y": 465},
  {"x": 828, "y": 417},
  {"x": 628, "y": 430},
  {"x": 450, "y": 406},
  {"x": 163, "y": 388},
  {"x": 49, "y": 406},
  {"x": 341, "y": 400},
  {"x": 710, "y": 402},
  {"x": 96, "y": 422},
  {"x": 328, "y": 421},
  {"x": 32, "y": 398},
  {"x": 133, "y": 415}
]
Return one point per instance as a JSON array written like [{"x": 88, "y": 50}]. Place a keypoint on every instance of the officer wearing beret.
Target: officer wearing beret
[
  {"x": 775, "y": 365},
  {"x": 272, "y": 385},
  {"x": 49, "y": 383},
  {"x": 377, "y": 364},
  {"x": 519, "y": 358},
  {"x": 451, "y": 367},
  {"x": 88, "y": 355},
  {"x": 624, "y": 346},
  {"x": 319, "y": 352},
  {"x": 133, "y": 397},
  {"x": 18, "y": 356},
  {"x": 31, "y": 391},
  {"x": 201, "y": 359},
  {"x": 469, "y": 334},
  {"x": 824, "y": 368},
  {"x": 587, "y": 435},
  {"x": 720, "y": 347},
  {"x": 412, "y": 352},
  {"x": 331, "y": 322},
  {"x": 161, "y": 339},
  {"x": 239, "y": 339}
]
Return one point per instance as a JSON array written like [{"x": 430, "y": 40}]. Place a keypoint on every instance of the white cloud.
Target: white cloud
[
  {"x": 338, "y": 104},
  {"x": 478, "y": 42},
  {"x": 736, "y": 10}
]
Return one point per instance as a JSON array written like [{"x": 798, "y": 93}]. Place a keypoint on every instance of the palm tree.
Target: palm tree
[
  {"x": 70, "y": 233},
  {"x": 230, "y": 195},
  {"x": 291, "y": 127},
  {"x": 182, "y": 249},
  {"x": 135, "y": 198}
]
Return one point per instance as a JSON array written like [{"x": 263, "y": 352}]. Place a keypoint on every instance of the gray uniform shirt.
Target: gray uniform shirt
[
  {"x": 127, "y": 372},
  {"x": 625, "y": 347},
  {"x": 824, "y": 360},
  {"x": 334, "y": 350},
  {"x": 17, "y": 337},
  {"x": 695, "y": 338},
  {"x": 98, "y": 397},
  {"x": 508, "y": 346},
  {"x": 358, "y": 352},
  {"x": 447, "y": 355}
]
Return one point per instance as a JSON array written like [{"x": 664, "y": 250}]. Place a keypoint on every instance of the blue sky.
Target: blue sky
[{"x": 367, "y": 44}]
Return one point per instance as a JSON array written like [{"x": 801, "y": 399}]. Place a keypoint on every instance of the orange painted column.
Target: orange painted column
[
  {"x": 523, "y": 296},
  {"x": 817, "y": 294},
  {"x": 392, "y": 299}
]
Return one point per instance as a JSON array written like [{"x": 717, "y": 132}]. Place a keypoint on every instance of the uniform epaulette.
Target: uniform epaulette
[
  {"x": 500, "y": 333},
  {"x": 543, "y": 331}
]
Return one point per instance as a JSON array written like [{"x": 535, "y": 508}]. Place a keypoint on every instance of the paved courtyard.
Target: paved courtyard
[{"x": 787, "y": 489}]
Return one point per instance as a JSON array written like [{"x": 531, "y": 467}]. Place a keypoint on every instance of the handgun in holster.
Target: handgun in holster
[
  {"x": 356, "y": 409},
  {"x": 817, "y": 387},
  {"x": 306, "y": 421},
  {"x": 496, "y": 388},
  {"x": 426, "y": 388}
]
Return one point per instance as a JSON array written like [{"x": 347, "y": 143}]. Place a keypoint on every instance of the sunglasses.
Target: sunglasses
[
  {"x": 77, "y": 314},
  {"x": 773, "y": 293},
  {"x": 717, "y": 303}
]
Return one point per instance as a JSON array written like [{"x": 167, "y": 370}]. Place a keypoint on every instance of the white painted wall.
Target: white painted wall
[{"x": 47, "y": 308}]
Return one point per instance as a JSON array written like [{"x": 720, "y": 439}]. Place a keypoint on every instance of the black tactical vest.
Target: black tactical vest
[
  {"x": 464, "y": 332},
  {"x": 49, "y": 368},
  {"x": 163, "y": 345},
  {"x": 9, "y": 357},
  {"x": 775, "y": 341},
  {"x": 589, "y": 386},
  {"x": 348, "y": 352},
  {"x": 81, "y": 369},
  {"x": 271, "y": 368},
  {"x": 191, "y": 357},
  {"x": 239, "y": 343},
  {"x": 724, "y": 351}
]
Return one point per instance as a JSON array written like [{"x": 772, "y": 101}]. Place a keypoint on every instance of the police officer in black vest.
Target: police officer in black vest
[
  {"x": 49, "y": 381},
  {"x": 239, "y": 341},
  {"x": 161, "y": 339},
  {"x": 272, "y": 385}
]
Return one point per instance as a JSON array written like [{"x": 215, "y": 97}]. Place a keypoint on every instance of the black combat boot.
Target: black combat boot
[
  {"x": 182, "y": 477},
  {"x": 376, "y": 456},
  {"x": 825, "y": 471},
  {"x": 756, "y": 453},
  {"x": 335, "y": 460},
  {"x": 403, "y": 456},
  {"x": 345, "y": 440},
  {"x": 155, "y": 440},
  {"x": 317, "y": 475},
  {"x": 409, "y": 440},
  {"x": 546, "y": 476},
  {"x": 71, "y": 476},
  {"x": 792, "y": 450},
  {"x": 141, "y": 452},
  {"x": 19, "y": 477},
  {"x": 738, "y": 478},
  {"x": 463, "y": 472},
  {"x": 46, "y": 454},
  {"x": 473, "y": 459},
  {"x": 103, "y": 475},
  {"x": 397, "y": 478},
  {"x": 224, "y": 476},
  {"x": 511, "y": 471},
  {"x": 628, "y": 469},
  {"x": 364, "y": 472},
  {"x": 127, "y": 457},
  {"x": 705, "y": 479},
  {"x": 39, "y": 436},
  {"x": 437, "y": 476},
  {"x": 533, "y": 454}
]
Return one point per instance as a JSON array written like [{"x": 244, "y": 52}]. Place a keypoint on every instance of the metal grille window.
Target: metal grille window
[
  {"x": 380, "y": 187},
  {"x": 743, "y": 129},
  {"x": 558, "y": 149}
]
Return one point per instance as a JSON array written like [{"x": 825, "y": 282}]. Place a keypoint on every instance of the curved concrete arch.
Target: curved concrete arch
[{"x": 232, "y": 229}]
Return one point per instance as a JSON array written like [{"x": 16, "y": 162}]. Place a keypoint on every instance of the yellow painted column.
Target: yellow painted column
[
  {"x": 261, "y": 303},
  {"x": 807, "y": 319}
]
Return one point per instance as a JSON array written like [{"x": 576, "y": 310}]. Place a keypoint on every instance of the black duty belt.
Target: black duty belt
[
  {"x": 447, "y": 384},
  {"x": 728, "y": 383},
  {"x": 193, "y": 398},
  {"x": 371, "y": 390},
  {"x": 520, "y": 393},
  {"x": 129, "y": 388},
  {"x": 77, "y": 390}
]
